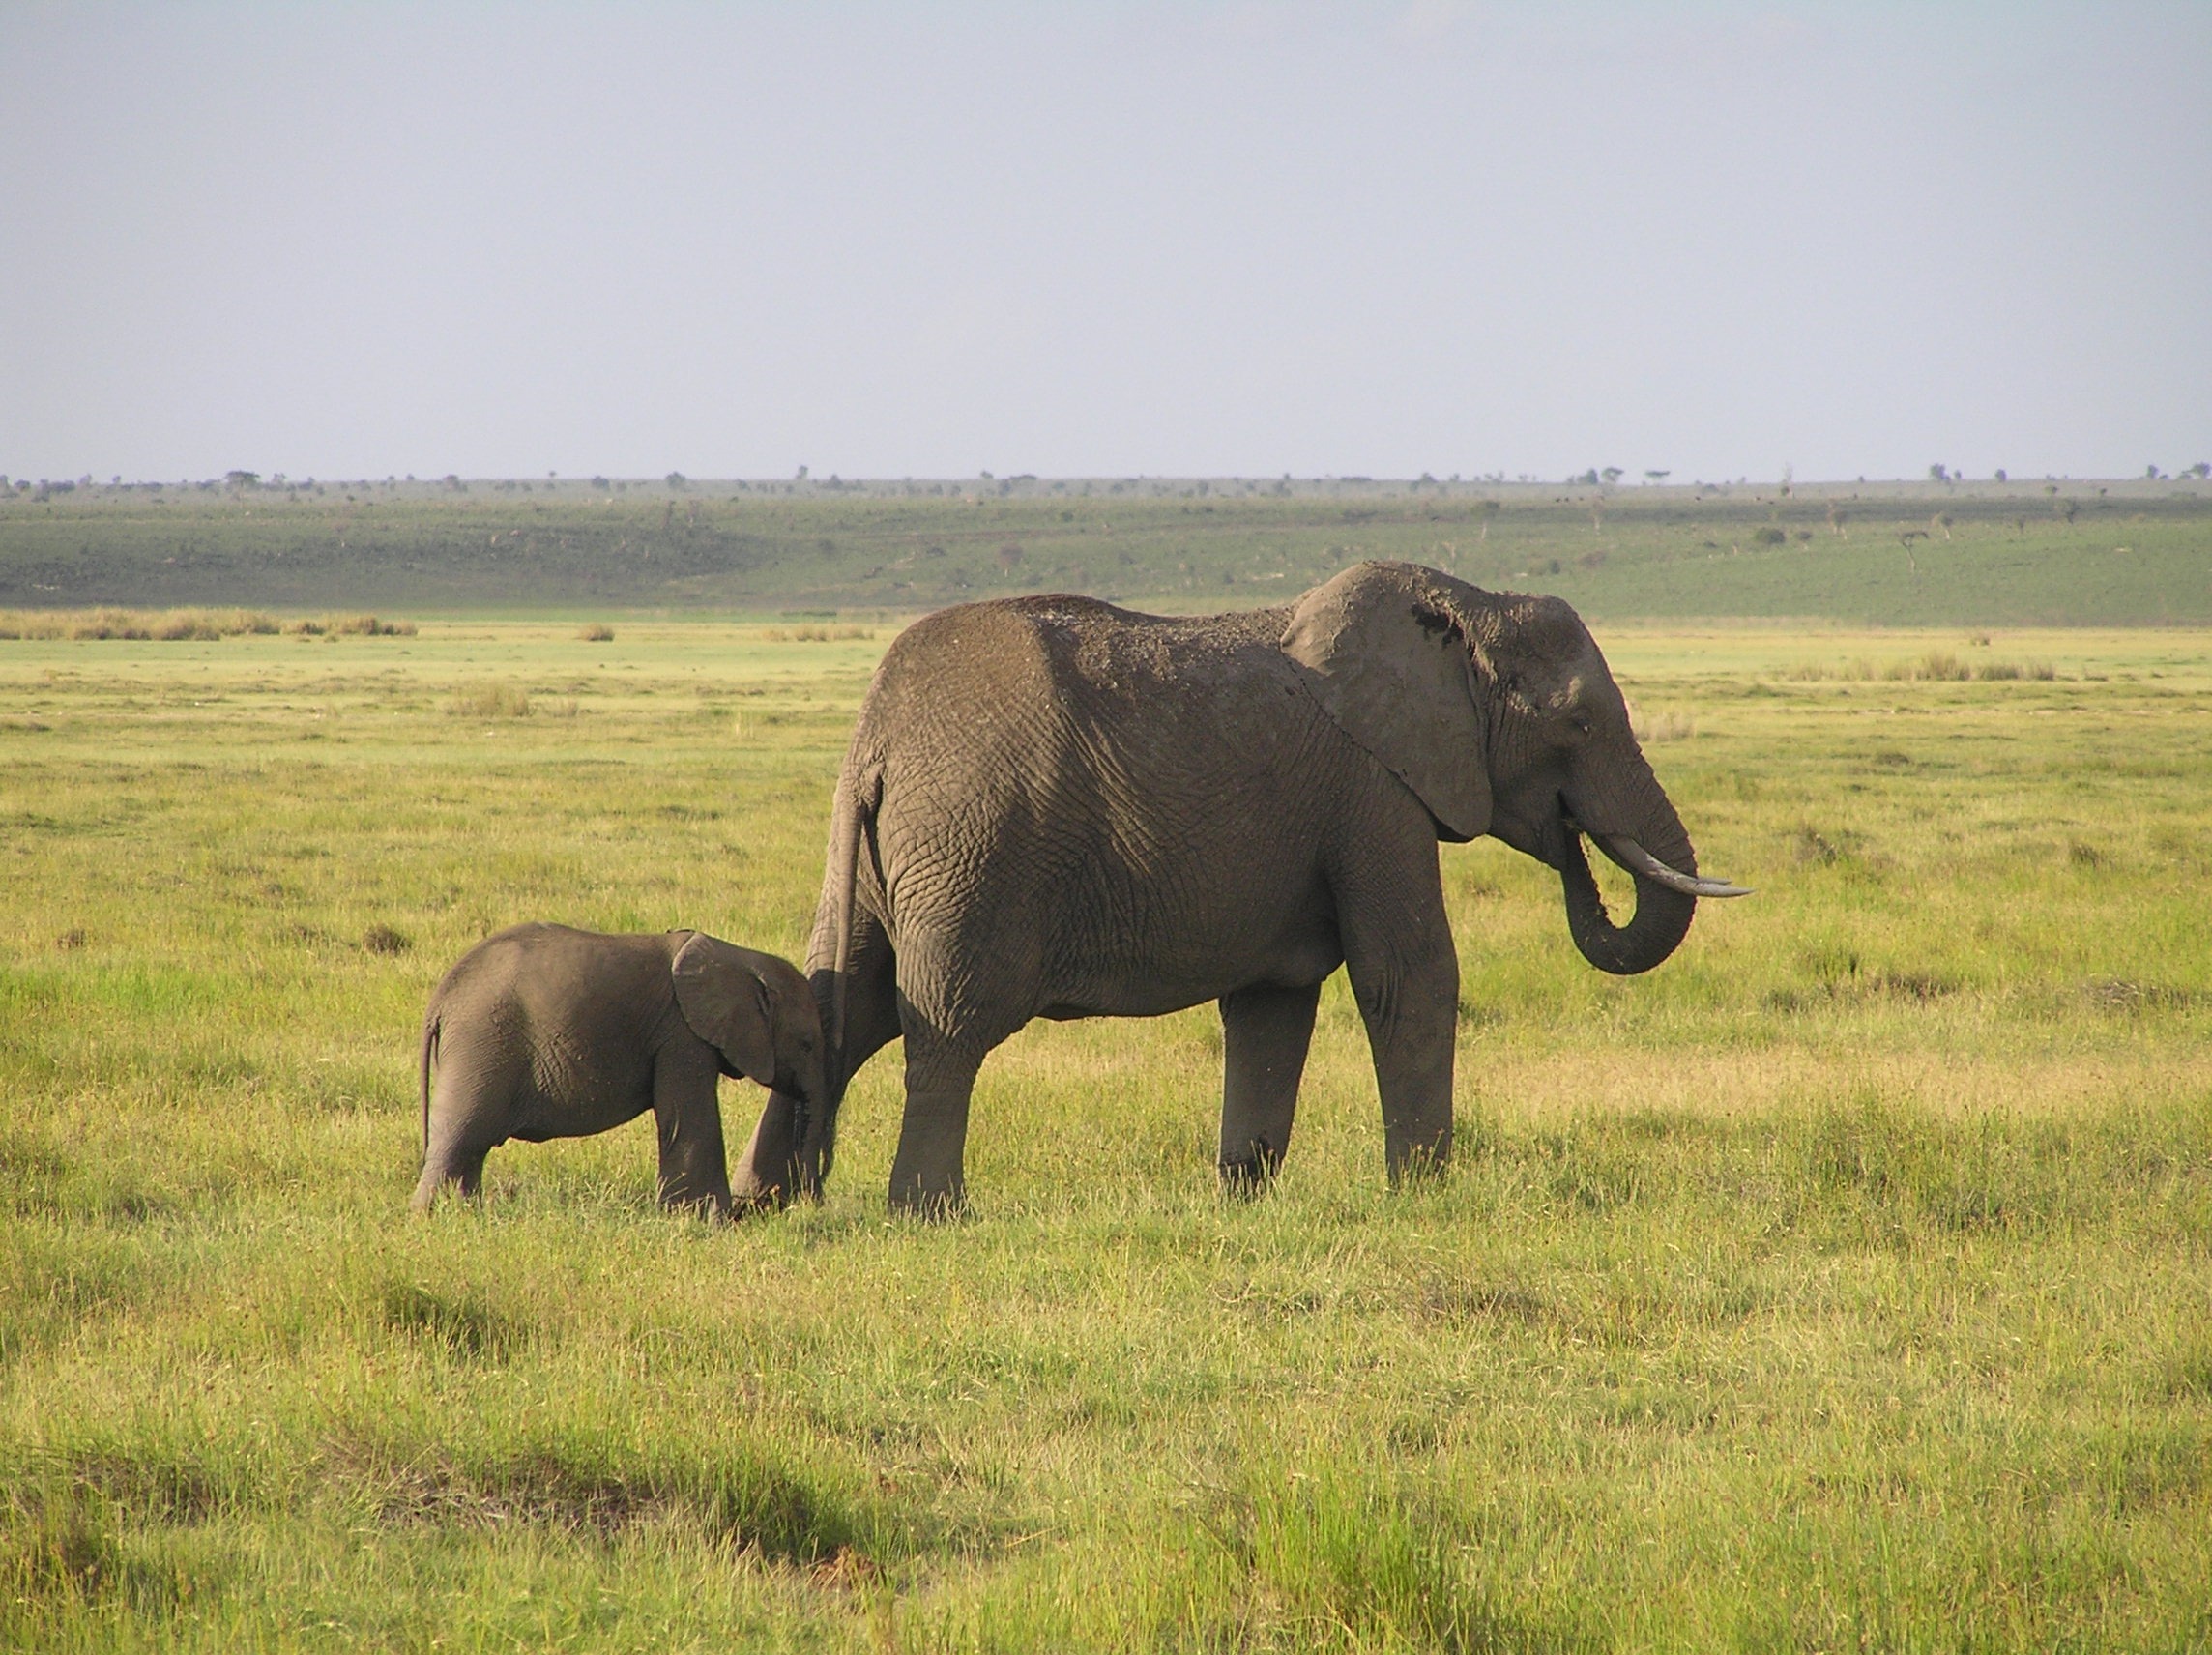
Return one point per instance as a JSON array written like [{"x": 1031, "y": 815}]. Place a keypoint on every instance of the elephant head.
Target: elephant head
[
  {"x": 1499, "y": 712},
  {"x": 753, "y": 1008}
]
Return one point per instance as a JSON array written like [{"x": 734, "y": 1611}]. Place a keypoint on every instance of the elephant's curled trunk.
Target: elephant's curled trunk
[{"x": 1661, "y": 920}]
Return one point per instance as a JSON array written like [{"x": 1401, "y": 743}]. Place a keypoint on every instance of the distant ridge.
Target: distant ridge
[{"x": 1954, "y": 552}]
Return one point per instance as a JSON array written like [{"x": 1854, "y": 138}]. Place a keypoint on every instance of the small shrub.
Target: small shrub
[
  {"x": 384, "y": 939},
  {"x": 1769, "y": 535},
  {"x": 1940, "y": 666},
  {"x": 597, "y": 633},
  {"x": 1814, "y": 849}
]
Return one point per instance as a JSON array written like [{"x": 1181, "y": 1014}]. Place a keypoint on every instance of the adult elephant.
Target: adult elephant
[{"x": 1053, "y": 808}]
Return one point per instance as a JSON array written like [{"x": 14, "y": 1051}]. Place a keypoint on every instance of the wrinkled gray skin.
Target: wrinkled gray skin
[
  {"x": 542, "y": 1032},
  {"x": 1052, "y": 807}
]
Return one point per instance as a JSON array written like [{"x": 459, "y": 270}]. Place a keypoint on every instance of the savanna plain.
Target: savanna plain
[{"x": 1844, "y": 1284}]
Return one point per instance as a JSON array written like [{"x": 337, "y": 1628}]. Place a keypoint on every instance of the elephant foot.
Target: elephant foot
[
  {"x": 697, "y": 1206},
  {"x": 763, "y": 1203},
  {"x": 1424, "y": 1164},
  {"x": 747, "y": 1196},
  {"x": 932, "y": 1206},
  {"x": 1251, "y": 1173},
  {"x": 458, "y": 1172}
]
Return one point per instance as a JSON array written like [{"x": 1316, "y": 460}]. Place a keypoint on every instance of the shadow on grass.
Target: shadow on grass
[
  {"x": 742, "y": 1500},
  {"x": 459, "y": 1325},
  {"x": 64, "y": 1565}
]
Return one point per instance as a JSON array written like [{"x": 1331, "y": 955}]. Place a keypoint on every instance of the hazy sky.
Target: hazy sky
[{"x": 359, "y": 240}]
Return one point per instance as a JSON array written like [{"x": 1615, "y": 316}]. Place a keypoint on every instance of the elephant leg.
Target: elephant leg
[
  {"x": 1405, "y": 974},
  {"x": 460, "y": 1165},
  {"x": 688, "y": 1121},
  {"x": 929, "y": 1175},
  {"x": 469, "y": 1113},
  {"x": 1264, "y": 1033}
]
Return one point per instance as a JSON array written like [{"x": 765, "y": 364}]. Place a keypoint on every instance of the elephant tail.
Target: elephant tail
[
  {"x": 433, "y": 1022},
  {"x": 853, "y": 819}
]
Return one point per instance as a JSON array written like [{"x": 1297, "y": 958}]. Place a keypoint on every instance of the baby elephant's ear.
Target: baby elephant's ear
[{"x": 727, "y": 1006}]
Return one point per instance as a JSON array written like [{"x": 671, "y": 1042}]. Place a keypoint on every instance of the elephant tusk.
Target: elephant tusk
[{"x": 1637, "y": 860}]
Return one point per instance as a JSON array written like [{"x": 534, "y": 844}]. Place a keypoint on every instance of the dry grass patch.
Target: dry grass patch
[
  {"x": 348, "y": 626},
  {"x": 816, "y": 634},
  {"x": 167, "y": 625},
  {"x": 490, "y": 701},
  {"x": 1936, "y": 666}
]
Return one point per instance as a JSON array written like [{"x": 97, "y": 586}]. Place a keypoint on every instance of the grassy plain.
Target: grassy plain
[
  {"x": 1844, "y": 1284},
  {"x": 2019, "y": 553}
]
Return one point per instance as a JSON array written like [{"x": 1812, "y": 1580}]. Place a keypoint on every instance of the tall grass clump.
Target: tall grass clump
[
  {"x": 1936, "y": 666},
  {"x": 167, "y": 626},
  {"x": 815, "y": 634},
  {"x": 490, "y": 701},
  {"x": 1668, "y": 724},
  {"x": 1339, "y": 1559},
  {"x": 348, "y": 626}
]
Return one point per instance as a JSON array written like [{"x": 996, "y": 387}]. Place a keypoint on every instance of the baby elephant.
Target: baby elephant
[{"x": 544, "y": 1033}]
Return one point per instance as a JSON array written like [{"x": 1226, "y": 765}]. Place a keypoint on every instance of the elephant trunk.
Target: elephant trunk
[
  {"x": 1664, "y": 864},
  {"x": 1661, "y": 920}
]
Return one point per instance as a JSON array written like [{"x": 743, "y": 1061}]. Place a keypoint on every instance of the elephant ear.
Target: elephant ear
[
  {"x": 727, "y": 1005},
  {"x": 1386, "y": 652}
]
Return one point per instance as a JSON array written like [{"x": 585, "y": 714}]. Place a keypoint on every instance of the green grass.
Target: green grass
[
  {"x": 1891, "y": 554},
  {"x": 1843, "y": 1284}
]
